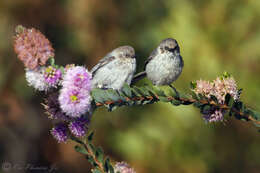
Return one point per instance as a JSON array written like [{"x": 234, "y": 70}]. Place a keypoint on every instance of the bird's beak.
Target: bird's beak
[{"x": 171, "y": 50}]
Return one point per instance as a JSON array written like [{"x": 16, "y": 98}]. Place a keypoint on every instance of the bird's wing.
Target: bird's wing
[
  {"x": 153, "y": 54},
  {"x": 182, "y": 62},
  {"x": 107, "y": 59}
]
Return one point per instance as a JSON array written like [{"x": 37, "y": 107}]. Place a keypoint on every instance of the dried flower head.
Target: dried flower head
[
  {"x": 123, "y": 167},
  {"x": 52, "y": 108},
  {"x": 32, "y": 47},
  {"x": 35, "y": 78}
]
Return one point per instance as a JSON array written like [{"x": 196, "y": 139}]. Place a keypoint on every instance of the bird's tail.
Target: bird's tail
[{"x": 138, "y": 77}]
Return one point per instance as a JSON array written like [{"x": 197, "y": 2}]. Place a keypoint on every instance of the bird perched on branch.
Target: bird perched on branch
[
  {"x": 115, "y": 69},
  {"x": 164, "y": 65}
]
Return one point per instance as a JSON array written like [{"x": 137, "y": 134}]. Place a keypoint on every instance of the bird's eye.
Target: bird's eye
[{"x": 167, "y": 48}]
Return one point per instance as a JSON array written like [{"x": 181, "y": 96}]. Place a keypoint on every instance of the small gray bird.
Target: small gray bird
[
  {"x": 164, "y": 65},
  {"x": 115, "y": 69}
]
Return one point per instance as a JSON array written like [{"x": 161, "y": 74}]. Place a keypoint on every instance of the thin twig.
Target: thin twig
[{"x": 170, "y": 98}]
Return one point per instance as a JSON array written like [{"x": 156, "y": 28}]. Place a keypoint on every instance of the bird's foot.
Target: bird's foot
[{"x": 177, "y": 93}]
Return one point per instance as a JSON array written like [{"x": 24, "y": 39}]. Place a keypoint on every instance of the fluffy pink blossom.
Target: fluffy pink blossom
[
  {"x": 219, "y": 88},
  {"x": 75, "y": 96}
]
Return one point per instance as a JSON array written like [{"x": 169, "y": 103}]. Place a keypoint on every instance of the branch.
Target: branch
[
  {"x": 130, "y": 96},
  {"x": 94, "y": 155}
]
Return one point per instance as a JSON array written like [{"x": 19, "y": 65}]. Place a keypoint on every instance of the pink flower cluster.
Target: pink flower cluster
[
  {"x": 123, "y": 167},
  {"x": 52, "y": 75},
  {"x": 32, "y": 47},
  {"x": 219, "y": 88},
  {"x": 74, "y": 97}
]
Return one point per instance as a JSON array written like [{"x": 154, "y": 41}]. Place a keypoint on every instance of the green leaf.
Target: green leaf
[
  {"x": 174, "y": 93},
  {"x": 144, "y": 102},
  {"x": 187, "y": 102},
  {"x": 62, "y": 69},
  {"x": 205, "y": 109},
  {"x": 240, "y": 92},
  {"x": 126, "y": 90},
  {"x": 91, "y": 160},
  {"x": 229, "y": 100},
  {"x": 226, "y": 75},
  {"x": 255, "y": 115},
  {"x": 202, "y": 97},
  {"x": 237, "y": 105},
  {"x": 175, "y": 102},
  {"x": 193, "y": 85},
  {"x": 111, "y": 107},
  {"x": 107, "y": 164},
  {"x": 214, "y": 98},
  {"x": 76, "y": 140},
  {"x": 194, "y": 95},
  {"x": 52, "y": 61},
  {"x": 111, "y": 94},
  {"x": 90, "y": 136},
  {"x": 96, "y": 171},
  {"x": 185, "y": 96},
  {"x": 92, "y": 147},
  {"x": 231, "y": 113},
  {"x": 163, "y": 99},
  {"x": 98, "y": 95},
  {"x": 158, "y": 91},
  {"x": 135, "y": 93},
  {"x": 99, "y": 154},
  {"x": 150, "y": 90},
  {"x": 197, "y": 104},
  {"x": 111, "y": 169},
  {"x": 140, "y": 91},
  {"x": 256, "y": 124},
  {"x": 81, "y": 150}
]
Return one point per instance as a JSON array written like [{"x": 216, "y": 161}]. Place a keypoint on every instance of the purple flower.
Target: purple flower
[
  {"x": 52, "y": 76},
  {"x": 74, "y": 102},
  {"x": 78, "y": 77},
  {"x": 220, "y": 87},
  {"x": 123, "y": 167},
  {"x": 60, "y": 133},
  {"x": 78, "y": 127},
  {"x": 52, "y": 108},
  {"x": 216, "y": 116},
  {"x": 75, "y": 96}
]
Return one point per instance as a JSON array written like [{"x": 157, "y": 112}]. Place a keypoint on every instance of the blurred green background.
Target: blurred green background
[{"x": 214, "y": 36}]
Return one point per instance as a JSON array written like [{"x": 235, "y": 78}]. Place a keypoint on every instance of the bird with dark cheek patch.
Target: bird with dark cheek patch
[
  {"x": 115, "y": 69},
  {"x": 164, "y": 65}
]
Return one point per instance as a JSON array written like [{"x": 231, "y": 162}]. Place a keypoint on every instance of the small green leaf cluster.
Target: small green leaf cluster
[
  {"x": 130, "y": 96},
  {"x": 94, "y": 155}
]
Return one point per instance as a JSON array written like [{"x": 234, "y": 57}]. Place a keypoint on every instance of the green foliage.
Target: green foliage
[
  {"x": 130, "y": 96},
  {"x": 93, "y": 154}
]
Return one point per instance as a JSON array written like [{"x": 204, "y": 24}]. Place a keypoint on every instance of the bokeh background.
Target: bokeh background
[{"x": 214, "y": 36}]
